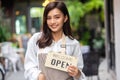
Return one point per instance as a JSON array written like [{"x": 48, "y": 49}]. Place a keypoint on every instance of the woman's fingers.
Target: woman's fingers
[
  {"x": 72, "y": 71},
  {"x": 41, "y": 76}
]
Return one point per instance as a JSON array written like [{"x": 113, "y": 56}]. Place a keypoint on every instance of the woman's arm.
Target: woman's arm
[
  {"x": 78, "y": 74},
  {"x": 31, "y": 63}
]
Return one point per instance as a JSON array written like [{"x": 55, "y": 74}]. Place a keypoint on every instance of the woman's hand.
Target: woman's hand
[
  {"x": 41, "y": 76},
  {"x": 73, "y": 71}
]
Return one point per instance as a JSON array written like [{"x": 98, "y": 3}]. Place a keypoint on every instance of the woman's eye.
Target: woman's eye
[
  {"x": 57, "y": 17},
  {"x": 48, "y": 18}
]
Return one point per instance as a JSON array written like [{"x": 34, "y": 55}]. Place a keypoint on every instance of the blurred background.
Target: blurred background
[{"x": 95, "y": 24}]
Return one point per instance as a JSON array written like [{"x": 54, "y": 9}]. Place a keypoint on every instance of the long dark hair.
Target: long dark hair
[{"x": 46, "y": 38}]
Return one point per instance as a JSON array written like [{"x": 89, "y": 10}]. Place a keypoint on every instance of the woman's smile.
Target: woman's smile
[{"x": 55, "y": 20}]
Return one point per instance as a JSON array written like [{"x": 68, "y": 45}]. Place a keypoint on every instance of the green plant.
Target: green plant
[
  {"x": 78, "y": 11},
  {"x": 4, "y": 31},
  {"x": 4, "y": 34},
  {"x": 93, "y": 5}
]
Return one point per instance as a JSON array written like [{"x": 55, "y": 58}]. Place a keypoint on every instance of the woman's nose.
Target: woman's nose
[{"x": 52, "y": 20}]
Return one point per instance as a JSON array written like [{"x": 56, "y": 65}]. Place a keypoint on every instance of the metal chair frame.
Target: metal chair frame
[{"x": 91, "y": 64}]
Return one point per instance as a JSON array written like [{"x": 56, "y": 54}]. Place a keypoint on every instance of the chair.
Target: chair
[
  {"x": 2, "y": 71},
  {"x": 10, "y": 54},
  {"x": 91, "y": 64}
]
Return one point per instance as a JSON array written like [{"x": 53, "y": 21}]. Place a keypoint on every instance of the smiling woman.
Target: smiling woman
[
  {"x": 55, "y": 20},
  {"x": 56, "y": 31}
]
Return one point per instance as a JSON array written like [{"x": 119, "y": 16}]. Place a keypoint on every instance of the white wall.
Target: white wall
[{"x": 117, "y": 36}]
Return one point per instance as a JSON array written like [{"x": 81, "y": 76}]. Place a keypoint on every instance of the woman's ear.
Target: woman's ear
[{"x": 66, "y": 18}]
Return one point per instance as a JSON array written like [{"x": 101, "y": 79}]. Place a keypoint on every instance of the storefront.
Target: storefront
[
  {"x": 110, "y": 36},
  {"x": 28, "y": 18},
  {"x": 117, "y": 36},
  {"x": 112, "y": 22}
]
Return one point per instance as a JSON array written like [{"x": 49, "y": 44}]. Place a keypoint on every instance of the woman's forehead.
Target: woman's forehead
[{"x": 54, "y": 11}]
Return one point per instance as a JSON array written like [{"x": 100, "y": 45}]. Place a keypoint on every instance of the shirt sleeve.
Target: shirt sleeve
[
  {"x": 31, "y": 62},
  {"x": 78, "y": 53}
]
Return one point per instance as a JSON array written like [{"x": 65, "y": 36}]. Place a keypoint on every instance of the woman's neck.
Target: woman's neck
[{"x": 57, "y": 36}]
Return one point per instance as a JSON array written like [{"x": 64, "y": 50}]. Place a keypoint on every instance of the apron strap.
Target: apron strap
[{"x": 63, "y": 45}]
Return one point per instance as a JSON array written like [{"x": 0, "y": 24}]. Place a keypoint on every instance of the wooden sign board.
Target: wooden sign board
[{"x": 60, "y": 61}]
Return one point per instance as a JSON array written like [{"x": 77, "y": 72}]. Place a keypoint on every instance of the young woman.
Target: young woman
[{"x": 56, "y": 28}]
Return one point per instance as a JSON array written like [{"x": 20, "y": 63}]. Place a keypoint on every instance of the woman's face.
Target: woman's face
[{"x": 55, "y": 20}]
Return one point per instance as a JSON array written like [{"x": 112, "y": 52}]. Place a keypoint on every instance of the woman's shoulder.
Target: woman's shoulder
[{"x": 36, "y": 36}]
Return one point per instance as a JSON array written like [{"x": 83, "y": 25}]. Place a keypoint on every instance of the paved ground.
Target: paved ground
[
  {"x": 15, "y": 75},
  {"x": 103, "y": 74}
]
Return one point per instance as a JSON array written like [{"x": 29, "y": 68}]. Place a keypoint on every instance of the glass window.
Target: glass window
[
  {"x": 36, "y": 14},
  {"x": 20, "y": 24}
]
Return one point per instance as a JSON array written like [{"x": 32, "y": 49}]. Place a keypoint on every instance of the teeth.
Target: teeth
[{"x": 53, "y": 26}]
